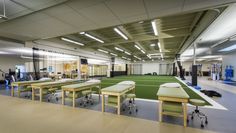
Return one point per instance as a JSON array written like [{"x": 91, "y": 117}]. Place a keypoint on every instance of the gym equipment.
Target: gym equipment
[
  {"x": 211, "y": 93},
  {"x": 194, "y": 75},
  {"x": 229, "y": 73},
  {"x": 216, "y": 71}
]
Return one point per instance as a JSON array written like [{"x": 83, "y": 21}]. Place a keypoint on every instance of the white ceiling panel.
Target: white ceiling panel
[
  {"x": 81, "y": 4},
  {"x": 68, "y": 15},
  {"x": 11, "y": 8},
  {"x": 157, "y": 8},
  {"x": 100, "y": 14},
  {"x": 125, "y": 12},
  {"x": 38, "y": 4}
]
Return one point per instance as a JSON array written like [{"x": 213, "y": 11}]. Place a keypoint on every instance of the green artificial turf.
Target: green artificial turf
[{"x": 147, "y": 86}]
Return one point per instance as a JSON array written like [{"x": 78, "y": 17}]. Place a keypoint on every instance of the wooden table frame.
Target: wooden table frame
[
  {"x": 184, "y": 101},
  {"x": 24, "y": 83},
  {"x": 118, "y": 98},
  {"x": 41, "y": 87},
  {"x": 74, "y": 90}
]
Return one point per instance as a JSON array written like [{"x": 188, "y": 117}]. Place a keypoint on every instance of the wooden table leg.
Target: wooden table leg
[
  {"x": 63, "y": 97},
  {"x": 185, "y": 114},
  {"x": 18, "y": 91},
  {"x": 33, "y": 93},
  {"x": 73, "y": 102},
  {"x": 40, "y": 94},
  {"x": 160, "y": 111},
  {"x": 12, "y": 91},
  {"x": 118, "y": 108},
  {"x": 99, "y": 92},
  {"x": 103, "y": 103}
]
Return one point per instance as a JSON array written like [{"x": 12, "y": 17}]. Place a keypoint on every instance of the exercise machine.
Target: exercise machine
[{"x": 229, "y": 73}]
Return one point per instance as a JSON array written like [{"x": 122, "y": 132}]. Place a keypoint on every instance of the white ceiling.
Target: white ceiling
[{"x": 82, "y": 15}]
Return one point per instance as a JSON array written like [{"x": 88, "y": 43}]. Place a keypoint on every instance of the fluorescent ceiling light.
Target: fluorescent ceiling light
[
  {"x": 128, "y": 59},
  {"x": 153, "y": 45},
  {"x": 134, "y": 60},
  {"x": 113, "y": 54},
  {"x": 120, "y": 33},
  {"x": 155, "y": 54},
  {"x": 123, "y": 57},
  {"x": 96, "y": 61},
  {"x": 162, "y": 56},
  {"x": 103, "y": 51},
  {"x": 142, "y": 51},
  {"x": 159, "y": 45},
  {"x": 143, "y": 60},
  {"x": 154, "y": 27},
  {"x": 140, "y": 22},
  {"x": 92, "y": 37},
  {"x": 149, "y": 56},
  {"x": 71, "y": 41},
  {"x": 137, "y": 47},
  {"x": 137, "y": 57},
  {"x": 152, "y": 59},
  {"x": 230, "y": 48},
  {"x": 127, "y": 53},
  {"x": 119, "y": 49}
]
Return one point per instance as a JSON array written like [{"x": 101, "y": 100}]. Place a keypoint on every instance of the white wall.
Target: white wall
[
  {"x": 9, "y": 62},
  {"x": 150, "y": 68},
  {"x": 227, "y": 60},
  {"x": 161, "y": 68},
  {"x": 137, "y": 68},
  {"x": 205, "y": 65}
]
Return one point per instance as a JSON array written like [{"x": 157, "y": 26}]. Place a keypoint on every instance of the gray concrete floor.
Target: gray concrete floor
[{"x": 219, "y": 120}]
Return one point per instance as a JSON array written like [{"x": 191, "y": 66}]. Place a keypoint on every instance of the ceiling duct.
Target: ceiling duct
[{"x": 3, "y": 16}]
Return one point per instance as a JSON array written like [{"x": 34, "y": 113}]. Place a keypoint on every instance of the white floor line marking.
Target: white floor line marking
[
  {"x": 214, "y": 104},
  {"x": 157, "y": 101}
]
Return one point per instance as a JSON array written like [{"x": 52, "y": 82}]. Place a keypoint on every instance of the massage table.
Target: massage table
[
  {"x": 172, "y": 101},
  {"x": 26, "y": 84},
  {"x": 50, "y": 85},
  {"x": 80, "y": 87},
  {"x": 117, "y": 90}
]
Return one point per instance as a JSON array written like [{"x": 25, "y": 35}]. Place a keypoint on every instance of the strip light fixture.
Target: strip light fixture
[
  {"x": 92, "y": 37},
  {"x": 149, "y": 56},
  {"x": 127, "y": 53},
  {"x": 137, "y": 57},
  {"x": 142, "y": 51},
  {"x": 119, "y": 49},
  {"x": 159, "y": 45},
  {"x": 154, "y": 27},
  {"x": 137, "y": 47},
  {"x": 120, "y": 33},
  {"x": 104, "y": 51},
  {"x": 123, "y": 57},
  {"x": 113, "y": 54},
  {"x": 71, "y": 41}
]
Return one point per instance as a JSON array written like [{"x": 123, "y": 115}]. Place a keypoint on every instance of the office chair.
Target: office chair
[
  {"x": 197, "y": 112},
  {"x": 87, "y": 97},
  {"x": 131, "y": 103},
  {"x": 52, "y": 92}
]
